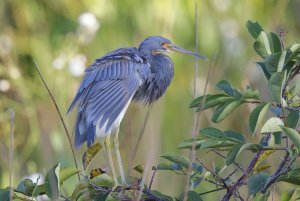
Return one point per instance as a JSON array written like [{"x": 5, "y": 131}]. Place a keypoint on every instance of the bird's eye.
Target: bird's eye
[{"x": 163, "y": 43}]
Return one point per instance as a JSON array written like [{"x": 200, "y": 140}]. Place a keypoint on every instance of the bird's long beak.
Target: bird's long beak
[{"x": 175, "y": 48}]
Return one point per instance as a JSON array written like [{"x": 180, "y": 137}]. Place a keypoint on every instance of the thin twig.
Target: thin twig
[
  {"x": 59, "y": 114},
  {"x": 196, "y": 115},
  {"x": 141, "y": 134},
  {"x": 235, "y": 163},
  {"x": 211, "y": 191},
  {"x": 219, "y": 197},
  {"x": 152, "y": 179},
  {"x": 212, "y": 172},
  {"x": 11, "y": 151}
]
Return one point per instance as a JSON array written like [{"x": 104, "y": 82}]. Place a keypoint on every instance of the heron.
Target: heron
[{"x": 140, "y": 74}]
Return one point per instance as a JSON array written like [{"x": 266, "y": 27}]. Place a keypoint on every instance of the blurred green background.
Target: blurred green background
[{"x": 65, "y": 36}]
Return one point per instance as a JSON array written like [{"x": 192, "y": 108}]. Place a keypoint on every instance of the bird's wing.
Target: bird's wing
[{"x": 105, "y": 93}]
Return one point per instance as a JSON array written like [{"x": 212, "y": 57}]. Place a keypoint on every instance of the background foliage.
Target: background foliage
[{"x": 64, "y": 37}]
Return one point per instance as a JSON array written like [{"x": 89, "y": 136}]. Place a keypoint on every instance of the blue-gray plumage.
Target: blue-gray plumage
[
  {"x": 140, "y": 74},
  {"x": 111, "y": 82}
]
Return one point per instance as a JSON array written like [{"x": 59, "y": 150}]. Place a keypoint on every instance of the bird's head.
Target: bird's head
[{"x": 159, "y": 44}]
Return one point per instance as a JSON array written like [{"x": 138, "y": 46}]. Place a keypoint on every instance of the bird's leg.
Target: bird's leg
[
  {"x": 116, "y": 145},
  {"x": 110, "y": 159}
]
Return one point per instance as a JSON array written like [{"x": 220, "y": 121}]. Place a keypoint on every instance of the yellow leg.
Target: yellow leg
[
  {"x": 110, "y": 159},
  {"x": 116, "y": 145}
]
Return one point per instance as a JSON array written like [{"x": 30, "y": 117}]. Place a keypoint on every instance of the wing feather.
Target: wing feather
[{"x": 105, "y": 93}]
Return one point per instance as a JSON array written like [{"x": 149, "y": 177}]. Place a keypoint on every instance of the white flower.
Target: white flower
[
  {"x": 4, "y": 85},
  {"x": 77, "y": 64}
]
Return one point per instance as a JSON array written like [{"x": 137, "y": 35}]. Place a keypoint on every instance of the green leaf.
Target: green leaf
[
  {"x": 254, "y": 28},
  {"x": 90, "y": 154},
  {"x": 293, "y": 119},
  {"x": 292, "y": 177},
  {"x": 257, "y": 181},
  {"x": 210, "y": 101},
  {"x": 257, "y": 115},
  {"x": 293, "y": 135},
  {"x": 80, "y": 189},
  {"x": 224, "y": 110},
  {"x": 103, "y": 180},
  {"x": 212, "y": 132},
  {"x": 272, "y": 125},
  {"x": 228, "y": 89},
  {"x": 216, "y": 143},
  {"x": 275, "y": 84},
  {"x": 286, "y": 195},
  {"x": 261, "y": 197},
  {"x": 161, "y": 196},
  {"x": 176, "y": 158},
  {"x": 266, "y": 44},
  {"x": 66, "y": 173},
  {"x": 271, "y": 62},
  {"x": 232, "y": 154},
  {"x": 262, "y": 65},
  {"x": 193, "y": 196},
  {"x": 251, "y": 94},
  {"x": 234, "y": 136},
  {"x": 214, "y": 100},
  {"x": 139, "y": 168},
  {"x": 187, "y": 144},
  {"x": 52, "y": 182},
  {"x": 172, "y": 167},
  {"x": 5, "y": 194},
  {"x": 26, "y": 187}
]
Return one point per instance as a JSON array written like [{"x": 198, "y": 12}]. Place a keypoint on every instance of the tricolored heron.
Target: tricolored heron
[{"x": 127, "y": 74}]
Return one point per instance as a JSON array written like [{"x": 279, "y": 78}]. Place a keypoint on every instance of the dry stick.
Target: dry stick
[
  {"x": 59, "y": 114},
  {"x": 11, "y": 151}
]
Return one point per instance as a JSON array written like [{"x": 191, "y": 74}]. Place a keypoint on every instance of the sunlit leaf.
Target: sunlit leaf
[
  {"x": 225, "y": 86},
  {"x": 293, "y": 135},
  {"x": 262, "y": 157},
  {"x": 212, "y": 132},
  {"x": 90, "y": 154},
  {"x": 267, "y": 43},
  {"x": 257, "y": 115},
  {"x": 224, "y": 110},
  {"x": 261, "y": 168},
  {"x": 103, "y": 180},
  {"x": 66, "y": 173},
  {"x": 272, "y": 125},
  {"x": 139, "y": 168},
  {"x": 52, "y": 182},
  {"x": 232, "y": 154},
  {"x": 275, "y": 84},
  {"x": 257, "y": 181},
  {"x": 254, "y": 28}
]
